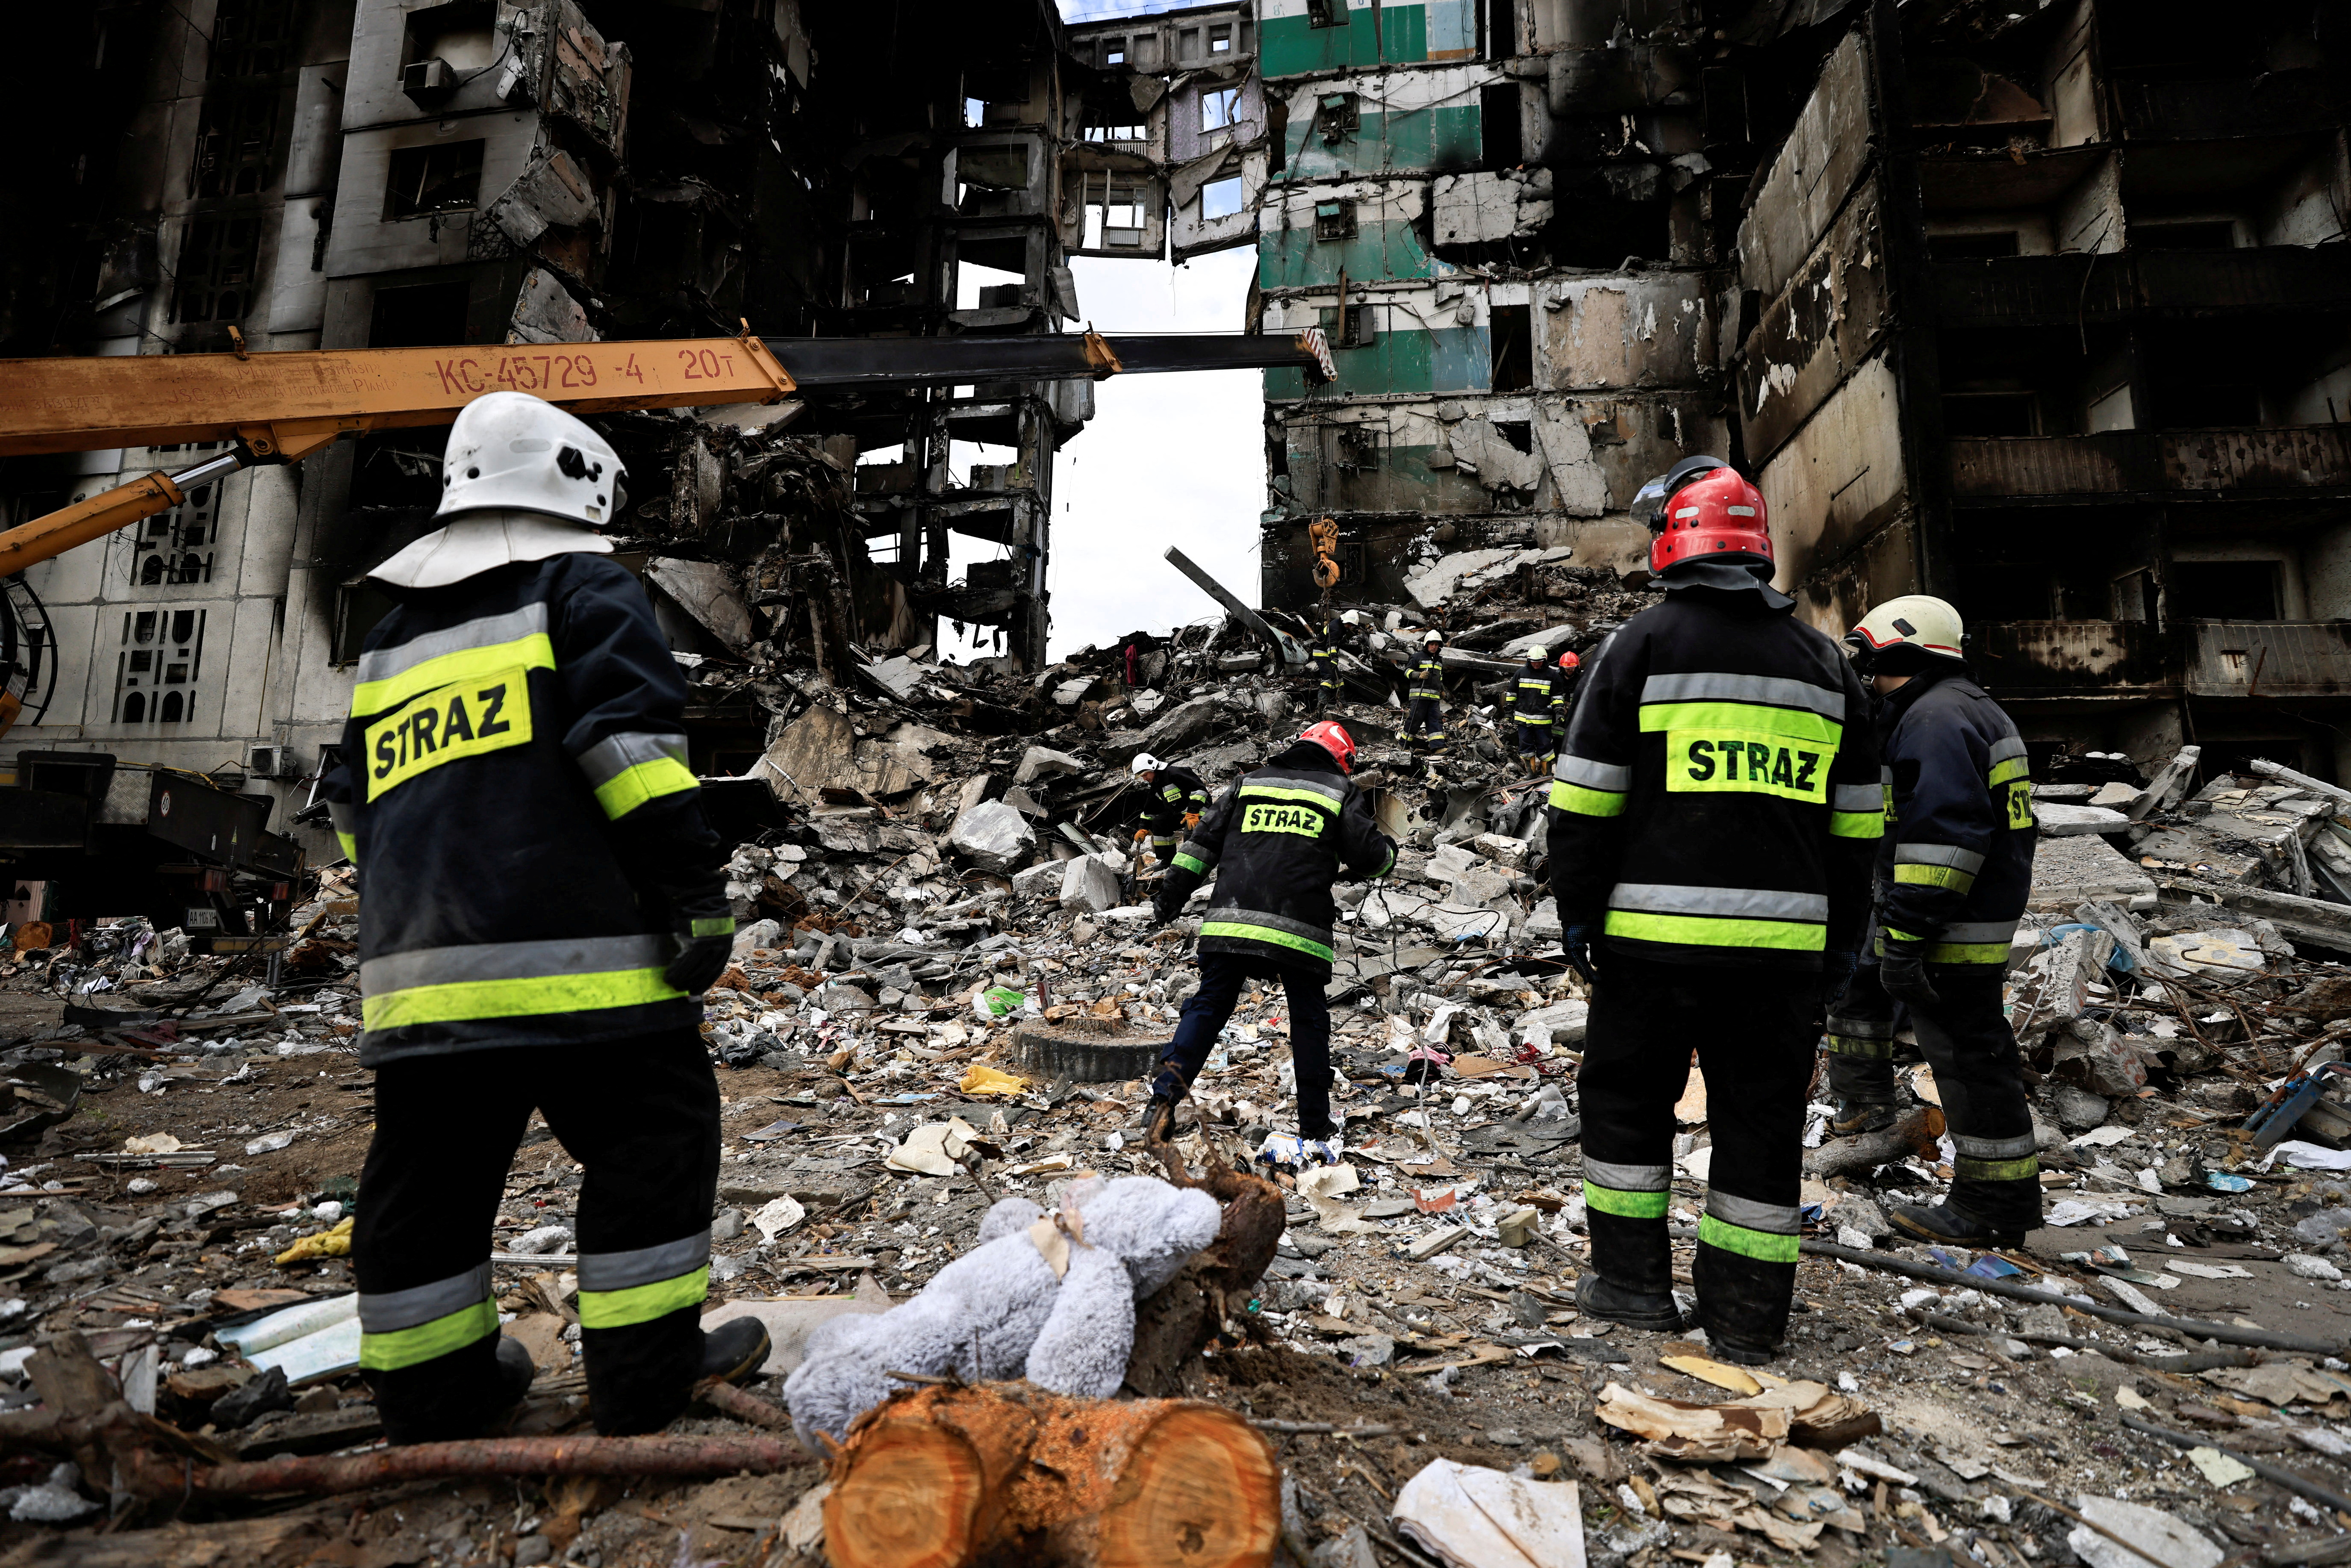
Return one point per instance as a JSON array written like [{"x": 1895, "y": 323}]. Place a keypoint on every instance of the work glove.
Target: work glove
[
  {"x": 705, "y": 937},
  {"x": 1191, "y": 820},
  {"x": 1580, "y": 941},
  {"x": 1837, "y": 974},
  {"x": 1903, "y": 976}
]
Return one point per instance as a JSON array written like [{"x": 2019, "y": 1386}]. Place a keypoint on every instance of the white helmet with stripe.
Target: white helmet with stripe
[{"x": 1915, "y": 621}]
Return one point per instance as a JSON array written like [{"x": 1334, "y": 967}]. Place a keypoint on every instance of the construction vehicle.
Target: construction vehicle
[{"x": 188, "y": 852}]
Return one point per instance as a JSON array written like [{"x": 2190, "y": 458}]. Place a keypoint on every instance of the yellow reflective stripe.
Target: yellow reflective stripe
[
  {"x": 1967, "y": 953},
  {"x": 1764, "y": 1246},
  {"x": 1716, "y": 931},
  {"x": 406, "y": 1347},
  {"x": 1949, "y": 876},
  {"x": 1894, "y": 935},
  {"x": 1854, "y": 1045},
  {"x": 2001, "y": 772},
  {"x": 2025, "y": 1169},
  {"x": 1268, "y": 933},
  {"x": 1186, "y": 861},
  {"x": 534, "y": 652},
  {"x": 460, "y": 1000},
  {"x": 1857, "y": 824},
  {"x": 1586, "y": 802},
  {"x": 724, "y": 926},
  {"x": 643, "y": 1303},
  {"x": 631, "y": 787},
  {"x": 1797, "y": 724},
  {"x": 1629, "y": 1205},
  {"x": 351, "y": 846}
]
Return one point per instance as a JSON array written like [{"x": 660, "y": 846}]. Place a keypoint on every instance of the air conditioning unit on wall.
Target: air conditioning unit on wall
[{"x": 270, "y": 760}]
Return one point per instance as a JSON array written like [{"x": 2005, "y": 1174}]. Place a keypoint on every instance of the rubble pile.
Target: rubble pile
[{"x": 944, "y": 990}]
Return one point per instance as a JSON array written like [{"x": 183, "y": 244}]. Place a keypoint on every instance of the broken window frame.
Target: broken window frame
[
  {"x": 1338, "y": 116},
  {"x": 1358, "y": 330},
  {"x": 1117, "y": 193},
  {"x": 1236, "y": 192},
  {"x": 219, "y": 265},
  {"x": 439, "y": 172},
  {"x": 1220, "y": 109},
  {"x": 1334, "y": 221},
  {"x": 1326, "y": 13}
]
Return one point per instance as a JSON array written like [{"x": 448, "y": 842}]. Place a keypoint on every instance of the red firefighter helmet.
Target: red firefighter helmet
[
  {"x": 1568, "y": 661},
  {"x": 1699, "y": 507},
  {"x": 1332, "y": 737}
]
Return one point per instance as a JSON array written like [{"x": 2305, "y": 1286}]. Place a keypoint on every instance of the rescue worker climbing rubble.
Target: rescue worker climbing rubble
[
  {"x": 1953, "y": 877},
  {"x": 1423, "y": 720},
  {"x": 1330, "y": 686},
  {"x": 1173, "y": 799},
  {"x": 1275, "y": 841},
  {"x": 542, "y": 903},
  {"x": 1715, "y": 807}
]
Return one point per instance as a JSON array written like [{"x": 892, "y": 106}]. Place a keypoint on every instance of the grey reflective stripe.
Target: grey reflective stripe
[
  {"x": 385, "y": 662},
  {"x": 1938, "y": 854},
  {"x": 1749, "y": 1215},
  {"x": 1861, "y": 1029},
  {"x": 616, "y": 754},
  {"x": 646, "y": 1265},
  {"x": 344, "y": 815},
  {"x": 393, "y": 1310},
  {"x": 1740, "y": 902},
  {"x": 1771, "y": 691},
  {"x": 1572, "y": 770},
  {"x": 1973, "y": 932},
  {"x": 512, "y": 961},
  {"x": 1271, "y": 922},
  {"x": 1337, "y": 792},
  {"x": 2007, "y": 747},
  {"x": 1856, "y": 798},
  {"x": 1996, "y": 1148},
  {"x": 1628, "y": 1179}
]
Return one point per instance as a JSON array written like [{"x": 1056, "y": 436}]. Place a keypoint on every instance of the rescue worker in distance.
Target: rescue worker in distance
[
  {"x": 542, "y": 903},
  {"x": 1275, "y": 841},
  {"x": 1715, "y": 805},
  {"x": 1423, "y": 719},
  {"x": 1330, "y": 686},
  {"x": 1538, "y": 705},
  {"x": 1173, "y": 799},
  {"x": 1953, "y": 877}
]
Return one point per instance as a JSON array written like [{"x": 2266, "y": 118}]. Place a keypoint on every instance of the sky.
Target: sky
[{"x": 1166, "y": 460}]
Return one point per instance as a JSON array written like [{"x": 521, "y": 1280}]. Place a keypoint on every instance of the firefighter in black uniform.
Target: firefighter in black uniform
[
  {"x": 1173, "y": 799},
  {"x": 1716, "y": 806},
  {"x": 1953, "y": 877},
  {"x": 1275, "y": 841},
  {"x": 1330, "y": 686},
  {"x": 1424, "y": 718},
  {"x": 543, "y": 901},
  {"x": 1538, "y": 707}
]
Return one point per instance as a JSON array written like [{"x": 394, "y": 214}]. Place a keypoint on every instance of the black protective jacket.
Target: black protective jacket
[
  {"x": 513, "y": 789},
  {"x": 1718, "y": 799},
  {"x": 1276, "y": 839},
  {"x": 1172, "y": 794},
  {"x": 1955, "y": 870},
  {"x": 1538, "y": 694}
]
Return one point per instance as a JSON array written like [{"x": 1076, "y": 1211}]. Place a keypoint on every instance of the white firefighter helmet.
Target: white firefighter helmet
[
  {"x": 1143, "y": 763},
  {"x": 1914, "y": 621},
  {"x": 511, "y": 451}
]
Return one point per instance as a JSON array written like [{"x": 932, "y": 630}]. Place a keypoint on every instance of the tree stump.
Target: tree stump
[
  {"x": 1173, "y": 1325},
  {"x": 1004, "y": 1472}
]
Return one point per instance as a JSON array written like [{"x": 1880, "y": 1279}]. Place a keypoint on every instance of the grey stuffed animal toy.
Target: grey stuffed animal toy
[{"x": 1004, "y": 1310}]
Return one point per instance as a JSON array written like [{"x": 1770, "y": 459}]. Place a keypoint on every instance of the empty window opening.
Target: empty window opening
[
  {"x": 1111, "y": 125},
  {"x": 2202, "y": 233},
  {"x": 442, "y": 177},
  {"x": 1220, "y": 109},
  {"x": 1502, "y": 30},
  {"x": 1357, "y": 328},
  {"x": 1519, "y": 433},
  {"x": 1326, "y": 13},
  {"x": 1973, "y": 247},
  {"x": 1221, "y": 198},
  {"x": 1114, "y": 215},
  {"x": 2226, "y": 590},
  {"x": 460, "y": 34},
  {"x": 238, "y": 147},
  {"x": 2180, "y": 399},
  {"x": 1512, "y": 342},
  {"x": 1335, "y": 220},
  {"x": 1991, "y": 413},
  {"x": 998, "y": 166},
  {"x": 218, "y": 262},
  {"x": 1502, "y": 135},
  {"x": 252, "y": 37},
  {"x": 1337, "y": 115},
  {"x": 1114, "y": 51},
  {"x": 1220, "y": 38},
  {"x": 420, "y": 316}
]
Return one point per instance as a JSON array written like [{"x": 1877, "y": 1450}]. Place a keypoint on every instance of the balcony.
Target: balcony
[
  {"x": 2066, "y": 290},
  {"x": 2067, "y": 658},
  {"x": 2268, "y": 658},
  {"x": 2274, "y": 103},
  {"x": 2270, "y": 462}
]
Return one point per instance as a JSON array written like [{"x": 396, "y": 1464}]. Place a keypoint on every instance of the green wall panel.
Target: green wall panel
[{"x": 1443, "y": 136}]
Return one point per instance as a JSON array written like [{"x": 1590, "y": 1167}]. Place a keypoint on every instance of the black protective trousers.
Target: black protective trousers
[
  {"x": 643, "y": 1116},
  {"x": 1753, "y": 1029},
  {"x": 1978, "y": 1076},
  {"x": 1423, "y": 727},
  {"x": 1222, "y": 975}
]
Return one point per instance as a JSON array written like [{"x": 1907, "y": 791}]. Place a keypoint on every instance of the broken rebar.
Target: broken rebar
[
  {"x": 153, "y": 1475},
  {"x": 2199, "y": 1328},
  {"x": 2261, "y": 1467}
]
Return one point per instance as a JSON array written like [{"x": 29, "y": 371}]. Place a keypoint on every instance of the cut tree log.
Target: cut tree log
[
  {"x": 1176, "y": 1323},
  {"x": 1914, "y": 1137},
  {"x": 949, "y": 1475}
]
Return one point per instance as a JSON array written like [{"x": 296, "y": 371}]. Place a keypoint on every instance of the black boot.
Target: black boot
[
  {"x": 514, "y": 1374},
  {"x": 1856, "y": 1116},
  {"x": 1738, "y": 1352},
  {"x": 1949, "y": 1226},
  {"x": 1596, "y": 1297},
  {"x": 736, "y": 1350}
]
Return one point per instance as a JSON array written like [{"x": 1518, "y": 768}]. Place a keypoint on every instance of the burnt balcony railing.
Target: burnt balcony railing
[
  {"x": 2083, "y": 286},
  {"x": 2281, "y": 659},
  {"x": 2265, "y": 461},
  {"x": 2268, "y": 658},
  {"x": 2055, "y": 658},
  {"x": 2273, "y": 103}
]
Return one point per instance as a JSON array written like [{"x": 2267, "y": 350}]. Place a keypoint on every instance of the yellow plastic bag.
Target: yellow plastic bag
[
  {"x": 335, "y": 1243},
  {"x": 981, "y": 1079}
]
